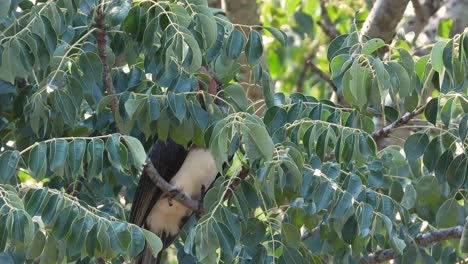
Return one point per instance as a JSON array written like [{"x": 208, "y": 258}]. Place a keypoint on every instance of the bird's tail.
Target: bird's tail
[{"x": 147, "y": 258}]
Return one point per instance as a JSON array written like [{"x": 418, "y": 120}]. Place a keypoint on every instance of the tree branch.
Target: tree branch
[
  {"x": 383, "y": 132},
  {"x": 101, "y": 35},
  {"x": 243, "y": 173},
  {"x": 384, "y": 18},
  {"x": 421, "y": 240},
  {"x": 166, "y": 187},
  {"x": 309, "y": 233},
  {"x": 308, "y": 64},
  {"x": 422, "y": 13},
  {"x": 326, "y": 24}
]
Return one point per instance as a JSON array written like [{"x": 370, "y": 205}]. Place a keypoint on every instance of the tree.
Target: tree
[{"x": 87, "y": 86}]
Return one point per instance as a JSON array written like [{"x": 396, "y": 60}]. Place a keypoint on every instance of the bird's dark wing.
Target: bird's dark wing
[{"x": 167, "y": 158}]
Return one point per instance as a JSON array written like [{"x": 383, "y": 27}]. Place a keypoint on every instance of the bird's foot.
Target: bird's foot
[{"x": 171, "y": 194}]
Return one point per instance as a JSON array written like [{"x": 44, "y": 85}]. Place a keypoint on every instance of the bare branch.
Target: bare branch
[
  {"x": 241, "y": 175},
  {"x": 423, "y": 11},
  {"x": 310, "y": 233},
  {"x": 308, "y": 64},
  {"x": 166, "y": 187},
  {"x": 421, "y": 240},
  {"x": 383, "y": 132},
  {"x": 101, "y": 35},
  {"x": 326, "y": 24}
]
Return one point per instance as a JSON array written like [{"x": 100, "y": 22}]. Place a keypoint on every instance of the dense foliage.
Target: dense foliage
[{"x": 304, "y": 182}]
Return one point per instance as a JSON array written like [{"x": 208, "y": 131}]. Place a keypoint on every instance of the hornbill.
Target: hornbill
[{"x": 189, "y": 170}]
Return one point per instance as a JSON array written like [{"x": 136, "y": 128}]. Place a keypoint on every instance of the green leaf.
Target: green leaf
[
  {"x": 356, "y": 85},
  {"x": 344, "y": 202},
  {"x": 463, "y": 128},
  {"x": 446, "y": 111},
  {"x": 116, "y": 152},
  {"x": 20, "y": 227},
  {"x": 444, "y": 27},
  {"x": 34, "y": 199},
  {"x": 367, "y": 146},
  {"x": 177, "y": 105},
  {"x": 8, "y": 162},
  {"x": 137, "y": 243},
  {"x": 396, "y": 191},
  {"x": 207, "y": 27},
  {"x": 119, "y": 237},
  {"x": 37, "y": 245},
  {"x": 275, "y": 117},
  {"x": 457, "y": 171},
  {"x": 365, "y": 214},
  {"x": 92, "y": 244},
  {"x": 137, "y": 151},
  {"x": 304, "y": 23},
  {"x": 409, "y": 197},
  {"x": 254, "y": 47},
  {"x": 432, "y": 109},
  {"x": 323, "y": 195},
  {"x": 236, "y": 96},
  {"x": 153, "y": 242},
  {"x": 3, "y": 234},
  {"x": 372, "y": 45},
  {"x": 290, "y": 235},
  {"x": 437, "y": 56},
  {"x": 50, "y": 254},
  {"x": 37, "y": 162},
  {"x": 91, "y": 65},
  {"x": 448, "y": 214},
  {"x": 404, "y": 82},
  {"x": 428, "y": 190},
  {"x": 350, "y": 230},
  {"x": 50, "y": 207},
  {"x": 432, "y": 154},
  {"x": 78, "y": 231},
  {"x": 66, "y": 106},
  {"x": 58, "y": 155},
  {"x": 406, "y": 60},
  {"x": 196, "y": 53},
  {"x": 415, "y": 145},
  {"x": 206, "y": 242},
  {"x": 76, "y": 151},
  {"x": 5, "y": 4},
  {"x": 354, "y": 185},
  {"x": 278, "y": 35},
  {"x": 64, "y": 221},
  {"x": 95, "y": 151},
  {"x": 258, "y": 143}
]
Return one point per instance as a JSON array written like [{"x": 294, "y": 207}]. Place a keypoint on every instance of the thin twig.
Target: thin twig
[
  {"x": 101, "y": 35},
  {"x": 310, "y": 233},
  {"x": 421, "y": 240},
  {"x": 383, "y": 132},
  {"x": 241, "y": 175},
  {"x": 308, "y": 64},
  {"x": 166, "y": 187},
  {"x": 326, "y": 24}
]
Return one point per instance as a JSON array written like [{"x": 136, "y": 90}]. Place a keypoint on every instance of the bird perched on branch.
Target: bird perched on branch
[{"x": 190, "y": 170}]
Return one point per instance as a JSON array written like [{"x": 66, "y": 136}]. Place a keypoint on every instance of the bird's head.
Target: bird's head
[{"x": 209, "y": 82}]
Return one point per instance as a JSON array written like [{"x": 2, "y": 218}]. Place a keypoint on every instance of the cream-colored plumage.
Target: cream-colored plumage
[{"x": 198, "y": 169}]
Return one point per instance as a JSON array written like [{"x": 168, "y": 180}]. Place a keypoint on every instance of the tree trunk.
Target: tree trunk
[
  {"x": 384, "y": 18},
  {"x": 245, "y": 12}
]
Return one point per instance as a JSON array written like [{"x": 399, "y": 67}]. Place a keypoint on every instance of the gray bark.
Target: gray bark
[
  {"x": 384, "y": 18},
  {"x": 419, "y": 15}
]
